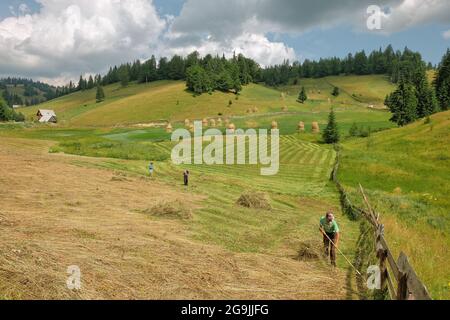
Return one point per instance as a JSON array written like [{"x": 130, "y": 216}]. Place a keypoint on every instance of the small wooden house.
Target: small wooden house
[{"x": 46, "y": 116}]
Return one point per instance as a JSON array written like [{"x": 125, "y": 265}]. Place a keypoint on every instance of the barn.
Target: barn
[{"x": 46, "y": 116}]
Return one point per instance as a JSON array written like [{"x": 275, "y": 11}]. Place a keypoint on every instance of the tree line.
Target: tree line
[
  {"x": 34, "y": 92},
  {"x": 415, "y": 97},
  {"x": 388, "y": 61}
]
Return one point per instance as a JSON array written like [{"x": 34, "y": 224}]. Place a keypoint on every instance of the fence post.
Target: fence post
[
  {"x": 410, "y": 287},
  {"x": 402, "y": 290},
  {"x": 382, "y": 256}
]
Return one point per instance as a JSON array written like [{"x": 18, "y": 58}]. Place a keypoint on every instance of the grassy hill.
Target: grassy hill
[
  {"x": 406, "y": 173},
  {"x": 169, "y": 101}
]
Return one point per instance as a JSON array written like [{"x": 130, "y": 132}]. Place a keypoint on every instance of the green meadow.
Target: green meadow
[{"x": 405, "y": 172}]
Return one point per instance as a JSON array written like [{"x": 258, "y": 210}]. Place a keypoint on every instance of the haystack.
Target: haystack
[
  {"x": 191, "y": 128},
  {"x": 274, "y": 125},
  {"x": 205, "y": 122},
  {"x": 254, "y": 200},
  {"x": 285, "y": 109},
  {"x": 301, "y": 126},
  {"x": 231, "y": 127},
  {"x": 169, "y": 128},
  {"x": 171, "y": 210},
  {"x": 187, "y": 123},
  {"x": 309, "y": 251},
  {"x": 255, "y": 109},
  {"x": 212, "y": 123},
  {"x": 219, "y": 122},
  {"x": 315, "y": 127},
  {"x": 227, "y": 122}
]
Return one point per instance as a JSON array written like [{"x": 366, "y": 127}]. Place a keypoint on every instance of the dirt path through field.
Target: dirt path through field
[{"x": 54, "y": 214}]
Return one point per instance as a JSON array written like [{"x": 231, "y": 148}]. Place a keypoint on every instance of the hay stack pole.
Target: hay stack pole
[
  {"x": 301, "y": 126},
  {"x": 169, "y": 128},
  {"x": 274, "y": 125},
  {"x": 315, "y": 127}
]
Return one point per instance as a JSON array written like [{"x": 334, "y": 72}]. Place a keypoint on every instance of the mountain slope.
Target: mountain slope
[{"x": 170, "y": 101}]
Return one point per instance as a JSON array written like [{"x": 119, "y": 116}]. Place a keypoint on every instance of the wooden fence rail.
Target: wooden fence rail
[{"x": 396, "y": 275}]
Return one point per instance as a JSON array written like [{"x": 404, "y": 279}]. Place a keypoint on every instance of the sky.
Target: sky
[{"x": 57, "y": 40}]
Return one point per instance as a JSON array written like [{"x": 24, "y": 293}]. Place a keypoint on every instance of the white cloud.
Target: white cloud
[
  {"x": 68, "y": 37},
  {"x": 411, "y": 13},
  {"x": 77, "y": 36},
  {"x": 252, "y": 45}
]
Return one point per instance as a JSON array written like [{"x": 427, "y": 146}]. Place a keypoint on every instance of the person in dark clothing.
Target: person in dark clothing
[{"x": 186, "y": 177}]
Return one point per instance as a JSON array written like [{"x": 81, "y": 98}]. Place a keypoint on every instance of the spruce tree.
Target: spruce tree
[
  {"x": 426, "y": 99},
  {"x": 124, "y": 76},
  {"x": 442, "y": 82},
  {"x": 335, "y": 92},
  {"x": 403, "y": 104},
  {"x": 331, "y": 133},
  {"x": 302, "y": 97},
  {"x": 100, "y": 94}
]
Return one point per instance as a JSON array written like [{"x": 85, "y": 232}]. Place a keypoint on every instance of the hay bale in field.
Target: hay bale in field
[
  {"x": 169, "y": 128},
  {"x": 315, "y": 127},
  {"x": 191, "y": 128},
  {"x": 227, "y": 122},
  {"x": 285, "y": 109},
  {"x": 212, "y": 123},
  {"x": 249, "y": 111},
  {"x": 274, "y": 125},
  {"x": 219, "y": 122},
  {"x": 231, "y": 127},
  {"x": 301, "y": 126},
  {"x": 255, "y": 110},
  {"x": 205, "y": 122},
  {"x": 187, "y": 123},
  {"x": 397, "y": 191},
  {"x": 173, "y": 210},
  {"x": 254, "y": 200},
  {"x": 309, "y": 251}
]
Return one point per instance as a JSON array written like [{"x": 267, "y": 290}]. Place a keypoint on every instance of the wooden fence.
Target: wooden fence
[{"x": 396, "y": 275}]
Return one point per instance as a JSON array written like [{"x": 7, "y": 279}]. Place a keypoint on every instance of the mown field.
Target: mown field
[
  {"x": 405, "y": 171},
  {"x": 406, "y": 174}
]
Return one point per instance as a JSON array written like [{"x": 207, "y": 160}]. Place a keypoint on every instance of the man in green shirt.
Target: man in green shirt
[{"x": 330, "y": 231}]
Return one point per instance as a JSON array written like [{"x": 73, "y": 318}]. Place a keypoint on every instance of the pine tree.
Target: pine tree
[
  {"x": 124, "y": 76},
  {"x": 403, "y": 104},
  {"x": 335, "y": 92},
  {"x": 426, "y": 99},
  {"x": 442, "y": 82},
  {"x": 100, "y": 96},
  {"x": 90, "y": 84},
  {"x": 81, "y": 84},
  {"x": 331, "y": 133},
  {"x": 302, "y": 97}
]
